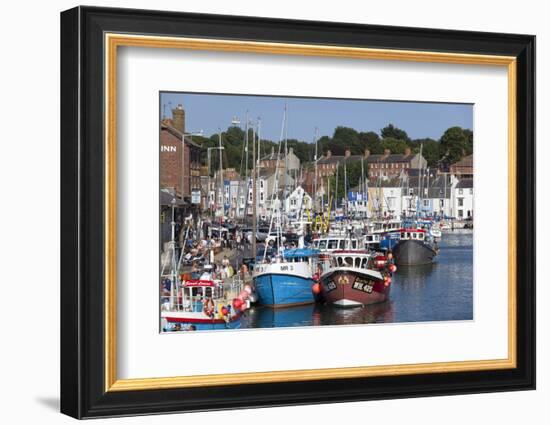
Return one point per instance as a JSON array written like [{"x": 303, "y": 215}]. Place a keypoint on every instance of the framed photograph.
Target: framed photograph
[{"x": 261, "y": 212}]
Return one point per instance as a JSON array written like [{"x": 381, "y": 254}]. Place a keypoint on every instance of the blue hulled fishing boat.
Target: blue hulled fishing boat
[{"x": 288, "y": 279}]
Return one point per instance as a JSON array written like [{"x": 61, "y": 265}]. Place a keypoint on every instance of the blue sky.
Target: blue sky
[{"x": 208, "y": 112}]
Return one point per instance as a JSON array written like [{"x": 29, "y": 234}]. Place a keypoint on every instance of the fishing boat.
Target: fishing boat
[
  {"x": 200, "y": 303},
  {"x": 414, "y": 247},
  {"x": 355, "y": 278},
  {"x": 288, "y": 279},
  {"x": 205, "y": 304}
]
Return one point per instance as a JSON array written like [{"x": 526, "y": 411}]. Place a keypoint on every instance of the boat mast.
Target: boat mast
[
  {"x": 419, "y": 184},
  {"x": 345, "y": 188},
  {"x": 276, "y": 187},
  {"x": 173, "y": 288},
  {"x": 221, "y": 184},
  {"x": 254, "y": 200},
  {"x": 315, "y": 138},
  {"x": 336, "y": 189},
  {"x": 259, "y": 125},
  {"x": 246, "y": 166},
  {"x": 362, "y": 185},
  {"x": 445, "y": 193}
]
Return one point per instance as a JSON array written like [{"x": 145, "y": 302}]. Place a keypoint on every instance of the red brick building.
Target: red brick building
[
  {"x": 464, "y": 167},
  {"x": 180, "y": 163},
  {"x": 388, "y": 165}
]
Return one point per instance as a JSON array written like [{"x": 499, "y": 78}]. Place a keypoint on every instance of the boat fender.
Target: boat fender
[{"x": 208, "y": 307}]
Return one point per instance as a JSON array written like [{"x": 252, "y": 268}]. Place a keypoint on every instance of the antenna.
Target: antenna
[{"x": 235, "y": 120}]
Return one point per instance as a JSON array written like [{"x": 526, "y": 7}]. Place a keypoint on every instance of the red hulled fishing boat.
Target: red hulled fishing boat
[{"x": 354, "y": 278}]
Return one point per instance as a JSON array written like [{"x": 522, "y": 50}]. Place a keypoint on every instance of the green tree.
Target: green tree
[
  {"x": 430, "y": 150},
  {"x": 392, "y": 132},
  {"x": 347, "y": 138},
  {"x": 394, "y": 145},
  {"x": 454, "y": 144},
  {"x": 371, "y": 141}
]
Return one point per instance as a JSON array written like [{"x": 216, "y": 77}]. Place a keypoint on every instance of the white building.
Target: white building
[
  {"x": 297, "y": 203},
  {"x": 386, "y": 198},
  {"x": 463, "y": 199}
]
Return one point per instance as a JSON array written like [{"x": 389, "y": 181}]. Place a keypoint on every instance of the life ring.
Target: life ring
[{"x": 208, "y": 307}]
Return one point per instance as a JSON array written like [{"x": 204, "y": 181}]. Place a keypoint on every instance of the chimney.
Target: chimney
[
  {"x": 367, "y": 153},
  {"x": 347, "y": 153},
  {"x": 178, "y": 118},
  {"x": 329, "y": 153},
  {"x": 407, "y": 151},
  {"x": 386, "y": 153}
]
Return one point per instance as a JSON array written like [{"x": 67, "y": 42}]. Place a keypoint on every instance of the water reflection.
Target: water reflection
[{"x": 434, "y": 292}]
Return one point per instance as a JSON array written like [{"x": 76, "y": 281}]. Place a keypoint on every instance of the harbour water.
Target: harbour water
[{"x": 437, "y": 292}]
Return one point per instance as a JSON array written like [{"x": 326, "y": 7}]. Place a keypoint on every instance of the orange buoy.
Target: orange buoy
[{"x": 316, "y": 288}]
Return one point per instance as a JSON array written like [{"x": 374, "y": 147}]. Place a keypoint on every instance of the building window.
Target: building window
[
  {"x": 460, "y": 202},
  {"x": 460, "y": 213},
  {"x": 426, "y": 202},
  {"x": 460, "y": 191},
  {"x": 471, "y": 191}
]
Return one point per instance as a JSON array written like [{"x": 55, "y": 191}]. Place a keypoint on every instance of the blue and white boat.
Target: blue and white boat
[{"x": 288, "y": 280}]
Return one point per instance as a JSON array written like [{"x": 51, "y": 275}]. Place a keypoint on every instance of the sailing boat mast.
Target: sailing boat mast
[
  {"x": 246, "y": 166},
  {"x": 254, "y": 200},
  {"x": 173, "y": 289},
  {"x": 345, "y": 206},
  {"x": 336, "y": 189},
  {"x": 274, "y": 192},
  {"x": 221, "y": 181},
  {"x": 315, "y": 139},
  {"x": 419, "y": 184}
]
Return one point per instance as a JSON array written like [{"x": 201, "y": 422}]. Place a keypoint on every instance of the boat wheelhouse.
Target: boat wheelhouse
[
  {"x": 383, "y": 226},
  {"x": 331, "y": 243},
  {"x": 286, "y": 280},
  {"x": 355, "y": 278},
  {"x": 414, "y": 247}
]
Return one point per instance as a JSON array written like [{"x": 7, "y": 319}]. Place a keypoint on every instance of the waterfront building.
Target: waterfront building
[
  {"x": 357, "y": 202},
  {"x": 327, "y": 164},
  {"x": 390, "y": 166},
  {"x": 463, "y": 199},
  {"x": 265, "y": 185},
  {"x": 463, "y": 168},
  {"x": 297, "y": 203},
  {"x": 289, "y": 162},
  {"x": 180, "y": 157},
  {"x": 385, "y": 197}
]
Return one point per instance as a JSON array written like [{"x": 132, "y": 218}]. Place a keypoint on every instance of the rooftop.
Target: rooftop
[
  {"x": 465, "y": 184},
  {"x": 467, "y": 161},
  {"x": 166, "y": 126}
]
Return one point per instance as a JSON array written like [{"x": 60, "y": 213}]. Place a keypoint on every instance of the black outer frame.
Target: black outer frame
[{"x": 82, "y": 207}]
